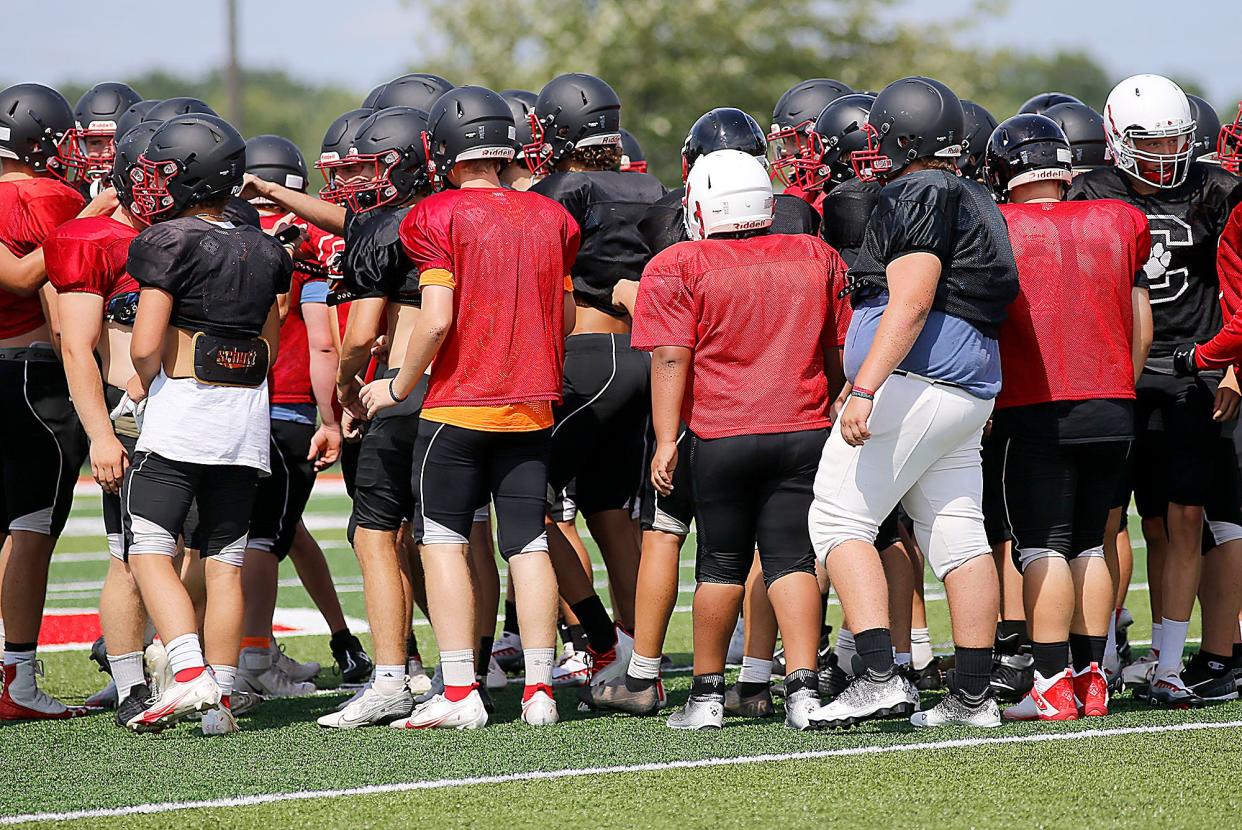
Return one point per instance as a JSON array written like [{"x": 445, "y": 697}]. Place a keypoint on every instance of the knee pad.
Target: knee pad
[{"x": 145, "y": 536}]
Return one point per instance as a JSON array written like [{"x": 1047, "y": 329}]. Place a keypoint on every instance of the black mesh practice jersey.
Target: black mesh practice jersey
[
  {"x": 941, "y": 213},
  {"x": 1186, "y": 222},
  {"x": 663, "y": 224},
  {"x": 375, "y": 264},
  {"x": 240, "y": 212},
  {"x": 607, "y": 206},
  {"x": 223, "y": 277},
  {"x": 847, "y": 209}
]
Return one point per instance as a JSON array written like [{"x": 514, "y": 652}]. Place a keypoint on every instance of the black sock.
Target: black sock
[
  {"x": 511, "y": 617},
  {"x": 1010, "y": 637},
  {"x": 596, "y": 623},
  {"x": 1237, "y": 655},
  {"x": 707, "y": 684},
  {"x": 483, "y": 657},
  {"x": 972, "y": 668},
  {"x": 875, "y": 648},
  {"x": 411, "y": 647},
  {"x": 823, "y": 611},
  {"x": 1050, "y": 658},
  {"x": 798, "y": 680},
  {"x": 1087, "y": 650},
  {"x": 339, "y": 635},
  {"x": 9, "y": 645},
  {"x": 578, "y": 637},
  {"x": 1205, "y": 665},
  {"x": 639, "y": 684}
]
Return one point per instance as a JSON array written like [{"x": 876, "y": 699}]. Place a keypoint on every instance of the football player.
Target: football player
[
  {"x": 1150, "y": 131},
  {"x": 206, "y": 325},
  {"x": 521, "y": 103},
  {"x": 1084, "y": 129},
  {"x": 633, "y": 160},
  {"x": 979, "y": 126},
  {"x": 89, "y": 147},
  {"x": 1064, "y": 425},
  {"x": 493, "y": 269},
  {"x": 417, "y": 90},
  {"x": 790, "y": 137},
  {"x": 1037, "y": 104}
]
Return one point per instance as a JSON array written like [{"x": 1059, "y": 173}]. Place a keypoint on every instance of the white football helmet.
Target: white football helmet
[
  {"x": 727, "y": 190},
  {"x": 1145, "y": 107}
]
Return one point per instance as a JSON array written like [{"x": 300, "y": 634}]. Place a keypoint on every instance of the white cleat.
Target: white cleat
[
  {"x": 700, "y": 712},
  {"x": 612, "y": 664},
  {"x": 177, "y": 701},
  {"x": 155, "y": 661},
  {"x": 540, "y": 709},
  {"x": 219, "y": 721},
  {"x": 799, "y": 707},
  {"x": 496, "y": 677},
  {"x": 441, "y": 713},
  {"x": 416, "y": 678},
  {"x": 295, "y": 671},
  {"x": 507, "y": 651},
  {"x": 956, "y": 709},
  {"x": 370, "y": 708},
  {"x": 572, "y": 669}
]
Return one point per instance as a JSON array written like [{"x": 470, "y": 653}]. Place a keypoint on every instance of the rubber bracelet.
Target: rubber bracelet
[
  {"x": 861, "y": 392},
  {"x": 393, "y": 394}
]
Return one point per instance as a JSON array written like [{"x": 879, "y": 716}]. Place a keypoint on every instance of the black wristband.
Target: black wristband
[{"x": 393, "y": 394}]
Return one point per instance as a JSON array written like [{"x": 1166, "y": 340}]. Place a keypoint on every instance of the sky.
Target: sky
[{"x": 319, "y": 39}]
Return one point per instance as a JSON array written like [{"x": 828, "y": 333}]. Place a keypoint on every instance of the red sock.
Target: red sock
[
  {"x": 455, "y": 694},
  {"x": 538, "y": 687},
  {"x": 186, "y": 675},
  {"x": 227, "y": 702}
]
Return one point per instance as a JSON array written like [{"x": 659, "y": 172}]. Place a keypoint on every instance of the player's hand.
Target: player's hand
[
  {"x": 347, "y": 397},
  {"x": 351, "y": 427},
  {"x": 253, "y": 186},
  {"x": 853, "y": 421},
  {"x": 108, "y": 463},
  {"x": 379, "y": 349},
  {"x": 101, "y": 205},
  {"x": 663, "y": 463},
  {"x": 1185, "y": 364},
  {"x": 136, "y": 391},
  {"x": 625, "y": 294},
  {"x": 379, "y": 395},
  {"x": 1226, "y": 407},
  {"x": 325, "y": 446}
]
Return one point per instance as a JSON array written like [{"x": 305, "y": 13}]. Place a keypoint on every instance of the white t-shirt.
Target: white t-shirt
[{"x": 200, "y": 424}]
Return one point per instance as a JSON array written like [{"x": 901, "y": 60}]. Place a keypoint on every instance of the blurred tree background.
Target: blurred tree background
[{"x": 671, "y": 60}]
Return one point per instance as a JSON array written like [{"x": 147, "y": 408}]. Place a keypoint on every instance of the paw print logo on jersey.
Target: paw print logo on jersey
[{"x": 1167, "y": 232}]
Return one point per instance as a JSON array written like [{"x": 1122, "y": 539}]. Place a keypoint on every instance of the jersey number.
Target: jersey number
[{"x": 1167, "y": 232}]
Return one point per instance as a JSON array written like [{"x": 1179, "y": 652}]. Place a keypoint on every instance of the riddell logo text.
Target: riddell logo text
[{"x": 236, "y": 358}]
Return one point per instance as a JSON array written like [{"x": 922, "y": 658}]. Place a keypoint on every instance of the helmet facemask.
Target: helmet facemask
[
  {"x": 370, "y": 188},
  {"x": 1164, "y": 170},
  {"x": 88, "y": 152},
  {"x": 1229, "y": 145},
  {"x": 151, "y": 179}
]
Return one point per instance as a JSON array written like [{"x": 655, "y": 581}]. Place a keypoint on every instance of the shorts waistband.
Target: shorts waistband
[
  {"x": 30, "y": 354},
  {"x": 601, "y": 342},
  {"x": 925, "y": 379}
]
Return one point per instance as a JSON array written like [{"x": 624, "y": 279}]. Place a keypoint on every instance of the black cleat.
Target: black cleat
[
  {"x": 832, "y": 679},
  {"x": 617, "y": 697},
  {"x": 133, "y": 705},
  {"x": 757, "y": 705},
  {"x": 489, "y": 705},
  {"x": 929, "y": 678},
  {"x": 99, "y": 655},
  {"x": 351, "y": 659},
  {"x": 1013, "y": 675}
]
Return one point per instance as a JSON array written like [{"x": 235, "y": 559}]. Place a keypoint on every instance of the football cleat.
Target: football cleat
[
  {"x": 295, "y": 671},
  {"x": 496, "y": 678},
  {"x": 176, "y": 701},
  {"x": 958, "y": 709},
  {"x": 1139, "y": 673},
  {"x": 572, "y": 669},
  {"x": 352, "y": 660},
  {"x": 799, "y": 707},
  {"x": 617, "y": 697},
  {"x": 219, "y": 721},
  {"x": 99, "y": 656},
  {"x": 613, "y": 663},
  {"x": 134, "y": 704},
  {"x": 870, "y": 696},
  {"x": 1125, "y": 652},
  {"x": 416, "y": 677},
  {"x": 832, "y": 679},
  {"x": 1168, "y": 690},
  {"x": 370, "y": 708},
  {"x": 1214, "y": 689},
  {"x": 270, "y": 682},
  {"x": 756, "y": 705},
  {"x": 507, "y": 651},
  {"x": 930, "y": 677},
  {"x": 1050, "y": 698},
  {"x": 241, "y": 703},
  {"x": 24, "y": 700},
  {"x": 1012, "y": 676},
  {"x": 540, "y": 708},
  {"x": 700, "y": 712},
  {"x": 1091, "y": 688},
  {"x": 441, "y": 713},
  {"x": 105, "y": 698},
  {"x": 434, "y": 686},
  {"x": 155, "y": 662}
]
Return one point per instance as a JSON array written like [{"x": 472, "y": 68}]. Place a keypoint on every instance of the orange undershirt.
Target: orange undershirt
[{"x": 531, "y": 416}]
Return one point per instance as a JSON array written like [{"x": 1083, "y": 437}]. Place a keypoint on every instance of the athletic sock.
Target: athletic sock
[
  {"x": 823, "y": 612},
  {"x": 389, "y": 680},
  {"x": 1087, "y": 650},
  {"x": 1157, "y": 632},
  {"x": 483, "y": 658},
  {"x": 1205, "y": 665},
  {"x": 126, "y": 672},
  {"x": 539, "y": 665},
  {"x": 340, "y": 634},
  {"x": 511, "y": 618},
  {"x": 845, "y": 650},
  {"x": 756, "y": 675},
  {"x": 600, "y": 632},
  {"x": 1110, "y": 641},
  {"x": 972, "y": 670},
  {"x": 920, "y": 647},
  {"x": 411, "y": 648},
  {"x": 185, "y": 657},
  {"x": 642, "y": 673},
  {"x": 1237, "y": 655},
  {"x": 225, "y": 677},
  {"x": 458, "y": 668},
  {"x": 875, "y": 649},
  {"x": 1050, "y": 658},
  {"x": 1172, "y": 642},
  {"x": 903, "y": 658},
  {"x": 15, "y": 653},
  {"x": 264, "y": 643},
  {"x": 707, "y": 684},
  {"x": 798, "y": 680}
]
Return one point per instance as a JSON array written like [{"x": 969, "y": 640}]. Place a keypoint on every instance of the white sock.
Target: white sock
[
  {"x": 845, "y": 650},
  {"x": 643, "y": 668},
  {"x": 458, "y": 667},
  {"x": 1172, "y": 642},
  {"x": 902, "y": 658},
  {"x": 755, "y": 670},
  {"x": 126, "y": 672},
  {"x": 539, "y": 665},
  {"x": 920, "y": 647},
  {"x": 255, "y": 660},
  {"x": 389, "y": 680},
  {"x": 225, "y": 676},
  {"x": 184, "y": 652},
  {"x": 12, "y": 658},
  {"x": 1110, "y": 644},
  {"x": 1157, "y": 631}
]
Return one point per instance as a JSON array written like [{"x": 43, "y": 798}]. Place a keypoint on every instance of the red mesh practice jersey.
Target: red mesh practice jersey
[
  {"x": 508, "y": 254},
  {"x": 1225, "y": 348},
  {"x": 1067, "y": 336},
  {"x": 88, "y": 256},
  {"x": 30, "y": 209},
  {"x": 289, "y": 379},
  {"x": 758, "y": 313}
]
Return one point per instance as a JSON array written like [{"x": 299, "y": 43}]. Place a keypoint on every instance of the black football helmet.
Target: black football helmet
[
  {"x": 385, "y": 162},
  {"x": 173, "y": 107},
  {"x": 1037, "y": 104},
  {"x": 189, "y": 159},
  {"x": 521, "y": 103},
  {"x": 275, "y": 158},
  {"x": 572, "y": 111},
  {"x": 469, "y": 122},
  {"x": 837, "y": 134},
  {"x": 793, "y": 118},
  {"x": 1084, "y": 128},
  {"x": 34, "y": 120},
  {"x": 1207, "y": 126},
  {"x": 633, "y": 160},
  {"x": 911, "y": 118},
  {"x": 979, "y": 126},
  {"x": 129, "y": 147},
  {"x": 1027, "y": 148},
  {"x": 418, "y": 90},
  {"x": 724, "y": 128},
  {"x": 368, "y": 103},
  {"x": 133, "y": 116},
  {"x": 89, "y": 146},
  {"x": 336, "y": 142}
]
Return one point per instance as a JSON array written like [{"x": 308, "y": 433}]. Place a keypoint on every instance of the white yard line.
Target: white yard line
[{"x": 453, "y": 783}]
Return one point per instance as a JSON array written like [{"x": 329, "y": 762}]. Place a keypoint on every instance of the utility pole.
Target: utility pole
[{"x": 232, "y": 71}]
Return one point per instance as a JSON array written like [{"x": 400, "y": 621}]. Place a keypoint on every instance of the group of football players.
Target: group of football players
[{"x": 938, "y": 341}]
